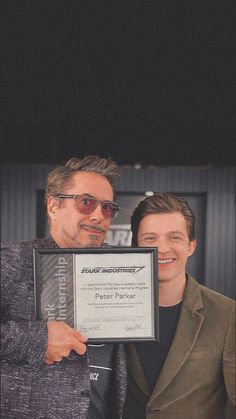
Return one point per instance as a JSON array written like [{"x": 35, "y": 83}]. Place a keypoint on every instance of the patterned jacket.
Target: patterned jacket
[{"x": 30, "y": 388}]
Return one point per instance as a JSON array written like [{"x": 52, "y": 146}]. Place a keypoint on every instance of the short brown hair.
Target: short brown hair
[
  {"x": 160, "y": 203},
  {"x": 61, "y": 176}
]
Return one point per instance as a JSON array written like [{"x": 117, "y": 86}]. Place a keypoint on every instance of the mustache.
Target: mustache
[{"x": 95, "y": 228}]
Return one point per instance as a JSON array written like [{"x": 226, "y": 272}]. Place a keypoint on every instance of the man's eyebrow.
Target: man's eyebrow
[
  {"x": 177, "y": 232},
  {"x": 88, "y": 194},
  {"x": 147, "y": 233}
]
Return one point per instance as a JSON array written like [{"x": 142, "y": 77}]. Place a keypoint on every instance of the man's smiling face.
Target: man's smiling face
[
  {"x": 71, "y": 228},
  {"x": 168, "y": 232}
]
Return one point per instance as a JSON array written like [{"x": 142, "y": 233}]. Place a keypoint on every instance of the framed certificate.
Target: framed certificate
[{"x": 108, "y": 294}]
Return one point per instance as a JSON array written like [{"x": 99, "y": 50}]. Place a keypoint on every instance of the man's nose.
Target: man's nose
[
  {"x": 163, "y": 245},
  {"x": 97, "y": 215}
]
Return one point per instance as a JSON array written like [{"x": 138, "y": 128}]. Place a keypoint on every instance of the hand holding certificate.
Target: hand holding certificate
[{"x": 108, "y": 294}]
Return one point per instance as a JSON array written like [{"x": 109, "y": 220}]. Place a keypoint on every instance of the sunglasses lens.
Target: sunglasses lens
[
  {"x": 86, "y": 205},
  {"x": 109, "y": 209}
]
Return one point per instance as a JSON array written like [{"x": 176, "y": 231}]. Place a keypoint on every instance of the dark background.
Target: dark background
[{"x": 148, "y": 82}]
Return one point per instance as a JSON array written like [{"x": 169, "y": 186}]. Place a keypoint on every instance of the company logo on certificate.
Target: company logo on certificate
[{"x": 108, "y": 294}]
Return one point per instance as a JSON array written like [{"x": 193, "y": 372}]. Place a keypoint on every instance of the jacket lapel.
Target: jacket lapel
[{"x": 188, "y": 328}]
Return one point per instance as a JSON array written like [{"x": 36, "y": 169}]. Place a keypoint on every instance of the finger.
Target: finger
[
  {"x": 52, "y": 360},
  {"x": 48, "y": 361},
  {"x": 78, "y": 335},
  {"x": 80, "y": 348}
]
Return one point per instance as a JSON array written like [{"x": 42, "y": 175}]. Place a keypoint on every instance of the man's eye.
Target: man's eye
[
  {"x": 87, "y": 202},
  {"x": 107, "y": 207},
  {"x": 176, "y": 238}
]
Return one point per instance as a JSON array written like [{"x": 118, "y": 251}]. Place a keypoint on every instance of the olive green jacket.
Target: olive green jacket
[{"x": 198, "y": 377}]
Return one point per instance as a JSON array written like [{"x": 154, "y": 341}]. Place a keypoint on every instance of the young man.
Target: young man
[
  {"x": 47, "y": 371},
  {"x": 190, "y": 373}
]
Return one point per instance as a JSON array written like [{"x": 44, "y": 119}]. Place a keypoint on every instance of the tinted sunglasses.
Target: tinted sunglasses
[{"x": 87, "y": 204}]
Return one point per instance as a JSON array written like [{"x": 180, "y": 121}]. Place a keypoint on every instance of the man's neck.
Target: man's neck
[
  {"x": 59, "y": 242},
  {"x": 171, "y": 292}
]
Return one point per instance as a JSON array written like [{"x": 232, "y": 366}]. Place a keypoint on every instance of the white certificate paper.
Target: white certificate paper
[{"x": 114, "y": 296}]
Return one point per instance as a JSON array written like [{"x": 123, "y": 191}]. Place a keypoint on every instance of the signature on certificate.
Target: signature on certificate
[
  {"x": 134, "y": 324},
  {"x": 92, "y": 325}
]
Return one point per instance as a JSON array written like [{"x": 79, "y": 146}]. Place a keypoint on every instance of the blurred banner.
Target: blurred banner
[{"x": 119, "y": 233}]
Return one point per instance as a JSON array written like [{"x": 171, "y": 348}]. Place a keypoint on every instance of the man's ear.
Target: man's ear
[
  {"x": 192, "y": 246},
  {"x": 52, "y": 205}
]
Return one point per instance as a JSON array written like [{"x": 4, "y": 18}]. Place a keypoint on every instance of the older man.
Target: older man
[{"x": 48, "y": 371}]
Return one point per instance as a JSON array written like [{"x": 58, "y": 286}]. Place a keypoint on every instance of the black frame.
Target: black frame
[{"x": 106, "y": 250}]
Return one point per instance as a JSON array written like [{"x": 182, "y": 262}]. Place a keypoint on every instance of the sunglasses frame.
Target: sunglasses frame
[{"x": 98, "y": 201}]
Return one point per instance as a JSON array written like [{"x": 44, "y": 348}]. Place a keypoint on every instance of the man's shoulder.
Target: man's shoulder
[
  {"x": 216, "y": 297},
  {"x": 212, "y": 299},
  {"x": 23, "y": 249},
  {"x": 27, "y": 244}
]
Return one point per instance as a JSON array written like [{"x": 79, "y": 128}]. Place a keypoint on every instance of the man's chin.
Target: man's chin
[{"x": 94, "y": 241}]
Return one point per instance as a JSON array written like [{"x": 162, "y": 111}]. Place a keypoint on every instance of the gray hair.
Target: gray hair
[{"x": 61, "y": 176}]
